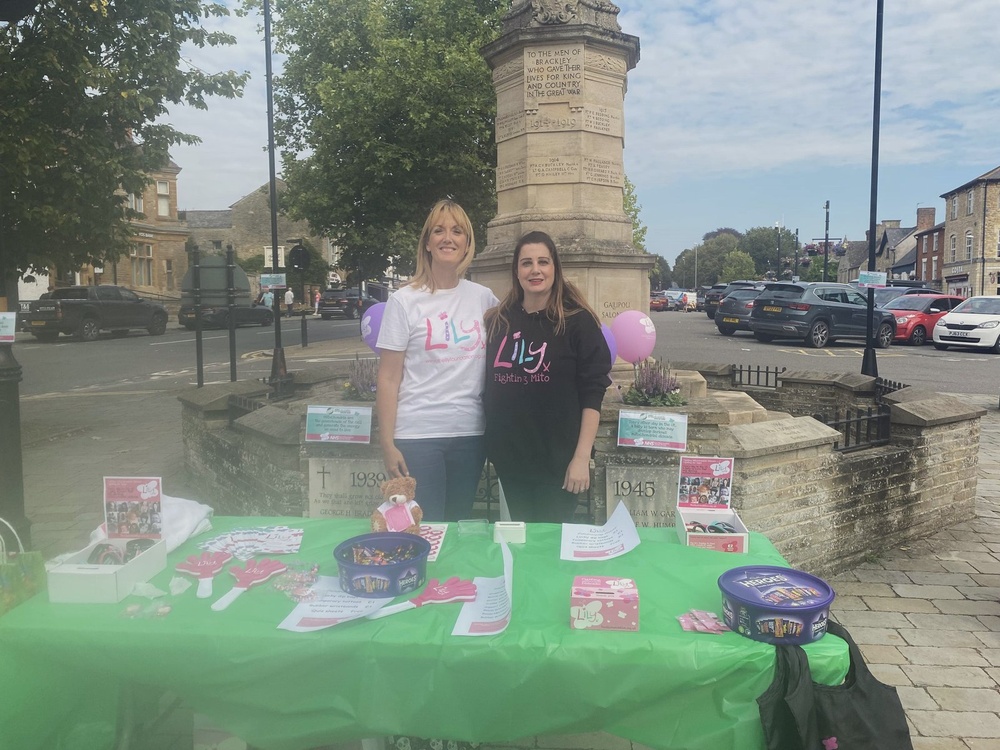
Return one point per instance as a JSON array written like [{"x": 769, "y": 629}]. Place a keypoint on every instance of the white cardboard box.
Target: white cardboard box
[
  {"x": 704, "y": 492},
  {"x": 77, "y": 581}
]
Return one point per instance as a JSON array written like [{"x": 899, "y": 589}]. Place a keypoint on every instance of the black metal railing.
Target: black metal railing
[
  {"x": 884, "y": 387},
  {"x": 859, "y": 428},
  {"x": 755, "y": 376}
]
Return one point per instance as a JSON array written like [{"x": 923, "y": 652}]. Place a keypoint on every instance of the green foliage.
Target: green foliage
[
  {"x": 814, "y": 271},
  {"x": 385, "y": 108},
  {"x": 632, "y": 209},
  {"x": 83, "y": 85},
  {"x": 702, "y": 265},
  {"x": 761, "y": 244},
  {"x": 653, "y": 386},
  {"x": 737, "y": 265},
  {"x": 660, "y": 276}
]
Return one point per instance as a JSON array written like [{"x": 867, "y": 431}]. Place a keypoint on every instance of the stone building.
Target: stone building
[
  {"x": 930, "y": 256},
  {"x": 972, "y": 236},
  {"x": 246, "y": 225}
]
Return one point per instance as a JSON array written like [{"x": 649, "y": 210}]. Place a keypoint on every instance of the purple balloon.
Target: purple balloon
[
  {"x": 371, "y": 324},
  {"x": 610, "y": 338},
  {"x": 635, "y": 335}
]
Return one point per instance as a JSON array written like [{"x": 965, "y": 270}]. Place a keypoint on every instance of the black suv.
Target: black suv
[
  {"x": 714, "y": 295},
  {"x": 817, "y": 313},
  {"x": 349, "y": 303}
]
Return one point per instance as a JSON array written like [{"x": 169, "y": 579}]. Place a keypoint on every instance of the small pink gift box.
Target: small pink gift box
[{"x": 603, "y": 603}]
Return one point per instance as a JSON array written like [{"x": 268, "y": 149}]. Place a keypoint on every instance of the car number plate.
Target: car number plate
[
  {"x": 771, "y": 308},
  {"x": 730, "y": 320},
  {"x": 38, "y": 322},
  {"x": 960, "y": 333}
]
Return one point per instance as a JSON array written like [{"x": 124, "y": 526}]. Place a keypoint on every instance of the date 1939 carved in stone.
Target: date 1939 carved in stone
[{"x": 553, "y": 11}]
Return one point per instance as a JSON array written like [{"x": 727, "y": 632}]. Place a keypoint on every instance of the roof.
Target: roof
[
  {"x": 909, "y": 259},
  {"x": 935, "y": 228},
  {"x": 992, "y": 176},
  {"x": 891, "y": 238},
  {"x": 209, "y": 219}
]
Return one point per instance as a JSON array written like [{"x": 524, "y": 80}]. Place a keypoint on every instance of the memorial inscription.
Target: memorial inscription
[
  {"x": 649, "y": 493},
  {"x": 602, "y": 171},
  {"x": 344, "y": 487},
  {"x": 553, "y": 169},
  {"x": 553, "y": 74},
  {"x": 512, "y": 175}
]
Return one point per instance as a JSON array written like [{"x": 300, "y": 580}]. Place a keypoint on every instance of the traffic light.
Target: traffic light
[{"x": 298, "y": 258}]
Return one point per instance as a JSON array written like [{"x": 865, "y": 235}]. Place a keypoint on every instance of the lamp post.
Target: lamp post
[
  {"x": 795, "y": 265},
  {"x": 279, "y": 371},
  {"x": 826, "y": 243},
  {"x": 869, "y": 365},
  {"x": 777, "y": 236}
]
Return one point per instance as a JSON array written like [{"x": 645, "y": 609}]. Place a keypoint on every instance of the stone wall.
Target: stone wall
[{"x": 825, "y": 510}]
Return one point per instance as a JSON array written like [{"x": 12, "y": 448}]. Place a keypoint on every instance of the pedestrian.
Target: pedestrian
[
  {"x": 289, "y": 301},
  {"x": 316, "y": 296},
  {"x": 267, "y": 299},
  {"x": 431, "y": 369},
  {"x": 547, "y": 371}
]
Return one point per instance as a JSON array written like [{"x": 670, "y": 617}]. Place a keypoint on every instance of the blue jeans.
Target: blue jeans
[{"x": 447, "y": 471}]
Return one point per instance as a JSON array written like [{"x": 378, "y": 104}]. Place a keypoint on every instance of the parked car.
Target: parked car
[
  {"x": 657, "y": 302},
  {"x": 885, "y": 295},
  {"x": 85, "y": 311},
  {"x": 818, "y": 313},
  {"x": 218, "y": 317},
  {"x": 917, "y": 314},
  {"x": 349, "y": 303},
  {"x": 974, "y": 323},
  {"x": 700, "y": 300},
  {"x": 714, "y": 295},
  {"x": 734, "y": 310}
]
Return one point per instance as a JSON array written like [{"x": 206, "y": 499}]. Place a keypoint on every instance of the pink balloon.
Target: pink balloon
[
  {"x": 635, "y": 335},
  {"x": 610, "y": 339},
  {"x": 371, "y": 324}
]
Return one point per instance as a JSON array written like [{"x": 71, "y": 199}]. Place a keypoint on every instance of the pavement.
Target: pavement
[{"x": 926, "y": 616}]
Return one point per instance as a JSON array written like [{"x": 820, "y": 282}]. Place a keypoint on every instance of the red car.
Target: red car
[{"x": 916, "y": 315}]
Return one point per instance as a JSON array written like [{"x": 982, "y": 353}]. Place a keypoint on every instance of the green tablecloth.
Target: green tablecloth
[{"x": 62, "y": 665}]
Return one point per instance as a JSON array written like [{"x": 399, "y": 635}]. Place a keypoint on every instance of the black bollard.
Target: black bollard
[
  {"x": 11, "y": 466},
  {"x": 305, "y": 332}
]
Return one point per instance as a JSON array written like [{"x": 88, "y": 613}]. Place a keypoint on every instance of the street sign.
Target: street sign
[
  {"x": 873, "y": 279},
  {"x": 271, "y": 281}
]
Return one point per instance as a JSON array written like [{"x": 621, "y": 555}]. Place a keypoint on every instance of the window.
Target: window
[
  {"x": 954, "y": 256},
  {"x": 954, "y": 206},
  {"x": 998, "y": 243},
  {"x": 135, "y": 202},
  {"x": 934, "y": 270},
  {"x": 142, "y": 265},
  {"x": 935, "y": 243},
  {"x": 162, "y": 198},
  {"x": 168, "y": 269},
  {"x": 968, "y": 245},
  {"x": 969, "y": 202},
  {"x": 216, "y": 244},
  {"x": 923, "y": 268}
]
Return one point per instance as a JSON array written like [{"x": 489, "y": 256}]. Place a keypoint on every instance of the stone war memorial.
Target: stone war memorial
[{"x": 559, "y": 71}]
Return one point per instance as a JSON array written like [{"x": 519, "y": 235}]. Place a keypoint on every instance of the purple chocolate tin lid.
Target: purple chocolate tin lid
[{"x": 773, "y": 587}]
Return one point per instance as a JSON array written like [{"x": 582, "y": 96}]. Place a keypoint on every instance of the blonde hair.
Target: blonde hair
[
  {"x": 565, "y": 300},
  {"x": 423, "y": 276}
]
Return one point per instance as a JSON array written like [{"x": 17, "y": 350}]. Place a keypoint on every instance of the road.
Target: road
[
  {"x": 693, "y": 337},
  {"x": 167, "y": 360}
]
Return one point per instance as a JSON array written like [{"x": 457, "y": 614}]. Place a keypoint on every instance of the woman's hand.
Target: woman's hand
[
  {"x": 395, "y": 464},
  {"x": 577, "y": 478}
]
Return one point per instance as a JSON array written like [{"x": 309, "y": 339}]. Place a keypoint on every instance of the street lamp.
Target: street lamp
[
  {"x": 869, "y": 365},
  {"x": 826, "y": 243},
  {"x": 777, "y": 235}
]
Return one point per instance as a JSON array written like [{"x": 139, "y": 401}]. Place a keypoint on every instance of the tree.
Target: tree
[
  {"x": 83, "y": 86},
  {"x": 384, "y": 109},
  {"x": 737, "y": 265},
  {"x": 632, "y": 209},
  {"x": 660, "y": 276},
  {"x": 702, "y": 265},
  {"x": 761, "y": 244}
]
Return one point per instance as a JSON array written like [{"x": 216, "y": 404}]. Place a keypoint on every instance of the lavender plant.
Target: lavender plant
[
  {"x": 654, "y": 386},
  {"x": 361, "y": 383}
]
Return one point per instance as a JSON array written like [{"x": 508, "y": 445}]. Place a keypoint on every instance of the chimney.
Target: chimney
[
  {"x": 925, "y": 218},
  {"x": 890, "y": 223}
]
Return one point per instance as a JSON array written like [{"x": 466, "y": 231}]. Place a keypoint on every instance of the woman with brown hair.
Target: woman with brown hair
[
  {"x": 547, "y": 369},
  {"x": 432, "y": 348}
]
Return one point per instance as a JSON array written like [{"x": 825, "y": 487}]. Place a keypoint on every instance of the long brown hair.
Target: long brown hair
[
  {"x": 423, "y": 276},
  {"x": 565, "y": 300}
]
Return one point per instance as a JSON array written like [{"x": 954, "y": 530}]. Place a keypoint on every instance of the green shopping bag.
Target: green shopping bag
[{"x": 22, "y": 574}]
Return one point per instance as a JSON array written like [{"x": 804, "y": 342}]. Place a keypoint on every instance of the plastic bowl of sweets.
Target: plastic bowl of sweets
[
  {"x": 775, "y": 605},
  {"x": 382, "y": 565}
]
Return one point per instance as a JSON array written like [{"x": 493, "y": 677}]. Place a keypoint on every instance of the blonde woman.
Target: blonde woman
[{"x": 432, "y": 347}]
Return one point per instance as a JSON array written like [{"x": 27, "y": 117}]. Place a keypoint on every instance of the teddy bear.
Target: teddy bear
[{"x": 400, "y": 511}]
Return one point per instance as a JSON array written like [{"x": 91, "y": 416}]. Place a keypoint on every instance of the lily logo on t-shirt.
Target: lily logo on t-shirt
[
  {"x": 445, "y": 334},
  {"x": 522, "y": 353}
]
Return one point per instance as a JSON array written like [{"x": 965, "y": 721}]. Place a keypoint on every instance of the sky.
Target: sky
[{"x": 740, "y": 113}]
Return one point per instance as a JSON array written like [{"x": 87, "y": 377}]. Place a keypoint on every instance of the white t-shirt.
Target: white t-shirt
[
  {"x": 443, "y": 336},
  {"x": 289, "y": 297}
]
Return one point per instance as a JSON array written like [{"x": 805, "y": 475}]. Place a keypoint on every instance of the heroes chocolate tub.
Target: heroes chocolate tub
[
  {"x": 775, "y": 605},
  {"x": 382, "y": 565}
]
